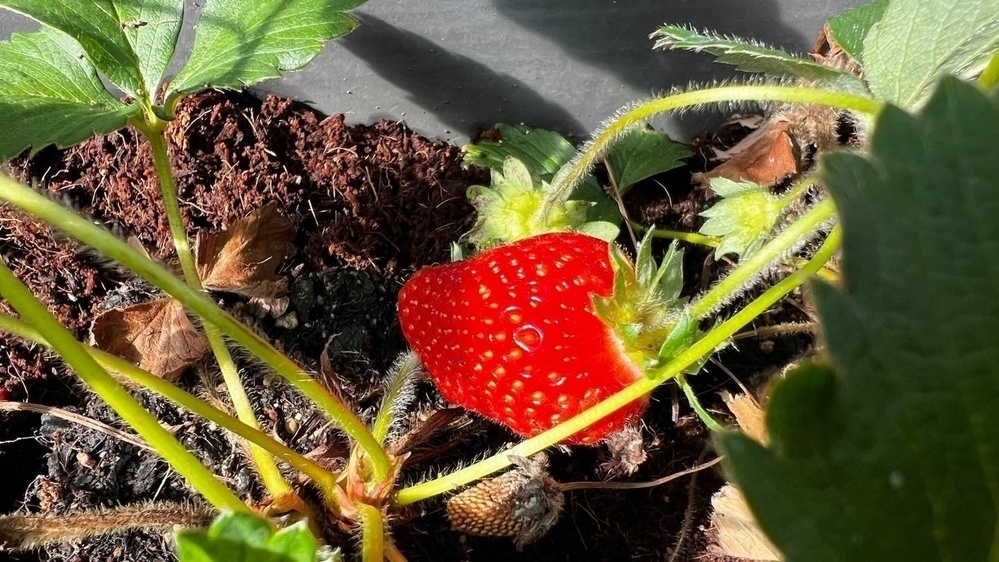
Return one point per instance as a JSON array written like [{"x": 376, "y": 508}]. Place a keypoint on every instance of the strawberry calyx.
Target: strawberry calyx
[
  {"x": 645, "y": 308},
  {"x": 512, "y": 209}
]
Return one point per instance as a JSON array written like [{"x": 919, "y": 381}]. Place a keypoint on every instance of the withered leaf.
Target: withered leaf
[
  {"x": 157, "y": 336},
  {"x": 243, "y": 258},
  {"x": 734, "y": 531},
  {"x": 766, "y": 157},
  {"x": 748, "y": 416}
]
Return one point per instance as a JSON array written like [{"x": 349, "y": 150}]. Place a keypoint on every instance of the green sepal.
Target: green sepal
[
  {"x": 744, "y": 217},
  {"x": 511, "y": 209},
  {"x": 680, "y": 338}
]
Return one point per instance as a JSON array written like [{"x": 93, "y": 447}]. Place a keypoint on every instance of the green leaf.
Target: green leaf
[
  {"x": 917, "y": 42},
  {"x": 750, "y": 56},
  {"x": 744, "y": 217},
  {"x": 239, "y": 43},
  {"x": 129, "y": 41},
  {"x": 641, "y": 153},
  {"x": 243, "y": 537},
  {"x": 848, "y": 29},
  {"x": 894, "y": 455},
  {"x": 51, "y": 94},
  {"x": 543, "y": 152}
]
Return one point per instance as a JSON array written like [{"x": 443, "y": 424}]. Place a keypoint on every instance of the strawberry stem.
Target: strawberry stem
[
  {"x": 571, "y": 175},
  {"x": 372, "y": 533},
  {"x": 153, "y": 129},
  {"x": 701, "y": 412},
  {"x": 84, "y": 230},
  {"x": 324, "y": 479},
  {"x": 90, "y": 372},
  {"x": 699, "y": 349},
  {"x": 692, "y": 237}
]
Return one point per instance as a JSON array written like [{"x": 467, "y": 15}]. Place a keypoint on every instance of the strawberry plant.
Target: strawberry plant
[{"x": 549, "y": 328}]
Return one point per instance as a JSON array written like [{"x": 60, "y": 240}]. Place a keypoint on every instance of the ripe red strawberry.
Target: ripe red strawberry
[{"x": 512, "y": 334}]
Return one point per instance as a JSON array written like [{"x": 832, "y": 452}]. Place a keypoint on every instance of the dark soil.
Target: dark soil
[{"x": 370, "y": 204}]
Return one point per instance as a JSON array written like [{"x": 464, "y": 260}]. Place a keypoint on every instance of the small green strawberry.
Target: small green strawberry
[{"x": 513, "y": 334}]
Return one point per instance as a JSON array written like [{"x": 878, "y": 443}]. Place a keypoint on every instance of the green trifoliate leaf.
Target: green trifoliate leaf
[
  {"x": 750, "y": 56},
  {"x": 641, "y": 153},
  {"x": 129, "y": 42},
  {"x": 543, "y": 152},
  {"x": 239, "y": 43},
  {"x": 849, "y": 28},
  {"x": 891, "y": 454},
  {"x": 743, "y": 218},
  {"x": 916, "y": 42},
  {"x": 242, "y": 537},
  {"x": 51, "y": 94}
]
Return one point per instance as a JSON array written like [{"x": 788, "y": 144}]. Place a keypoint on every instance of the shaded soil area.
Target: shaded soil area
[{"x": 370, "y": 204}]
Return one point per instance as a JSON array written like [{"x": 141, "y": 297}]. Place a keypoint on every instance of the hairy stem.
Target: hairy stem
[
  {"x": 199, "y": 407},
  {"x": 27, "y": 532},
  {"x": 270, "y": 475},
  {"x": 372, "y": 533},
  {"x": 144, "y": 423},
  {"x": 575, "y": 172},
  {"x": 39, "y": 206},
  {"x": 704, "y": 346},
  {"x": 400, "y": 385}
]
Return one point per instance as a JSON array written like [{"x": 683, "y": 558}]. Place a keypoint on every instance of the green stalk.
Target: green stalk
[
  {"x": 799, "y": 189},
  {"x": 704, "y": 346},
  {"x": 324, "y": 479},
  {"x": 144, "y": 423},
  {"x": 576, "y": 171},
  {"x": 990, "y": 76},
  {"x": 692, "y": 237},
  {"x": 702, "y": 413},
  {"x": 107, "y": 244},
  {"x": 372, "y": 533},
  {"x": 153, "y": 129},
  {"x": 751, "y": 267}
]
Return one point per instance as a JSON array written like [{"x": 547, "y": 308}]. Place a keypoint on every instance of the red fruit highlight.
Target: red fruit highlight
[{"x": 511, "y": 334}]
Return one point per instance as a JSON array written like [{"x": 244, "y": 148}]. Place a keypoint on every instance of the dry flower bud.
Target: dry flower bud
[{"x": 523, "y": 503}]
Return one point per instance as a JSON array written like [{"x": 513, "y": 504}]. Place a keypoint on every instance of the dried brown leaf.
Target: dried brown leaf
[
  {"x": 766, "y": 157},
  {"x": 243, "y": 258},
  {"x": 734, "y": 531},
  {"x": 748, "y": 415},
  {"x": 157, "y": 336}
]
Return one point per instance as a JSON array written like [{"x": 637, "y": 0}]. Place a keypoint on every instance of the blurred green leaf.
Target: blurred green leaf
[
  {"x": 243, "y": 537},
  {"x": 892, "y": 453},
  {"x": 917, "y": 42}
]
